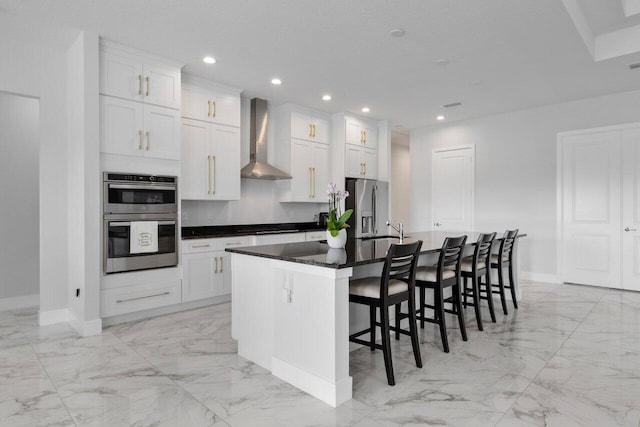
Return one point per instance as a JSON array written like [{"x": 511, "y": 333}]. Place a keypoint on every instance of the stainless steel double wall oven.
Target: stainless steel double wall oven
[{"x": 130, "y": 198}]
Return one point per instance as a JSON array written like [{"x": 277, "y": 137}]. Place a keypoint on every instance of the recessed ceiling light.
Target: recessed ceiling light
[
  {"x": 365, "y": 109},
  {"x": 440, "y": 118},
  {"x": 443, "y": 62},
  {"x": 209, "y": 60},
  {"x": 276, "y": 81},
  {"x": 326, "y": 97},
  {"x": 397, "y": 32}
]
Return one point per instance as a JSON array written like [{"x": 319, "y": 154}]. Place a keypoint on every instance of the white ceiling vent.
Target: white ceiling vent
[
  {"x": 634, "y": 66},
  {"x": 453, "y": 104}
]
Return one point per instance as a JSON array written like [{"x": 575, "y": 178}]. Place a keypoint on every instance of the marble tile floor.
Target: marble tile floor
[{"x": 570, "y": 356}]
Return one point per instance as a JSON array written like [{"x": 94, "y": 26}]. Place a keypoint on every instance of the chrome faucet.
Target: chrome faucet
[{"x": 399, "y": 229}]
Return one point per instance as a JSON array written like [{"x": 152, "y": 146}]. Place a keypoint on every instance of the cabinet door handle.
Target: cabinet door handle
[
  {"x": 148, "y": 141},
  {"x": 140, "y": 140},
  {"x": 310, "y": 179},
  {"x": 214, "y": 108},
  {"x": 208, "y": 108},
  {"x": 365, "y": 168},
  {"x": 216, "y": 272},
  {"x": 310, "y": 130},
  {"x": 365, "y": 136},
  {"x": 314, "y": 130},
  {"x": 201, "y": 246},
  {"x": 221, "y": 264},
  {"x": 314, "y": 179},
  {"x": 147, "y": 79},
  {"x": 209, "y": 175},
  {"x": 139, "y": 84},
  {"x": 213, "y": 172},
  {"x": 233, "y": 243}
]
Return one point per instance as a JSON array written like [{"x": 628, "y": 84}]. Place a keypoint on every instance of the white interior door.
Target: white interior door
[
  {"x": 452, "y": 196},
  {"x": 591, "y": 208},
  {"x": 631, "y": 209}
]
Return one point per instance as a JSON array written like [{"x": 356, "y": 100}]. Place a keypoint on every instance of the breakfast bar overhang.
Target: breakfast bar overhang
[{"x": 290, "y": 306}]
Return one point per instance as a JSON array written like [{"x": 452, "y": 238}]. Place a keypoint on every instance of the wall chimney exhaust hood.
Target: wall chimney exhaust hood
[{"x": 258, "y": 168}]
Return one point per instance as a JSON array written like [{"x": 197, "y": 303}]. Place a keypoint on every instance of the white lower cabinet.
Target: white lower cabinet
[
  {"x": 206, "y": 267},
  {"x": 127, "y": 299},
  {"x": 204, "y": 275}
]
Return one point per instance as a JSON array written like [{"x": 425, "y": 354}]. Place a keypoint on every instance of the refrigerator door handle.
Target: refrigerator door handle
[{"x": 374, "y": 196}]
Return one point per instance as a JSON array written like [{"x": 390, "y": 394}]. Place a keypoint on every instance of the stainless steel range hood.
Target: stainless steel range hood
[{"x": 258, "y": 168}]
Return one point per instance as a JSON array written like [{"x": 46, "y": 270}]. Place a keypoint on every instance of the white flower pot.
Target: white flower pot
[
  {"x": 339, "y": 241},
  {"x": 336, "y": 256}
]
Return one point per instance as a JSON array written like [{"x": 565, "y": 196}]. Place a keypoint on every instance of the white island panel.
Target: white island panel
[{"x": 293, "y": 319}]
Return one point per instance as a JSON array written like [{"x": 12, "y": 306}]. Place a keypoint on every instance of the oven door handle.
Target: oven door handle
[
  {"x": 128, "y": 223},
  {"x": 141, "y": 187}
]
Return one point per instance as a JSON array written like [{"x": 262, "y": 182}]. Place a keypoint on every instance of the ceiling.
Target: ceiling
[{"x": 501, "y": 55}]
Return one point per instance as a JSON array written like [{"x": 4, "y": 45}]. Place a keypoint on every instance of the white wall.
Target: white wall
[
  {"x": 84, "y": 182},
  {"x": 400, "y": 184},
  {"x": 515, "y": 168},
  {"x": 39, "y": 70},
  {"x": 19, "y": 222}
]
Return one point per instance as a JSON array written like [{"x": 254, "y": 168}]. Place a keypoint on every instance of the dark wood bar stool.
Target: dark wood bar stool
[
  {"x": 504, "y": 259},
  {"x": 475, "y": 267},
  {"x": 397, "y": 284},
  {"x": 445, "y": 274}
]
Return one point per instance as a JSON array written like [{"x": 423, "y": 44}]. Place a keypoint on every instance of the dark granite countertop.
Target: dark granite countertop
[
  {"x": 356, "y": 252},
  {"x": 209, "y": 231}
]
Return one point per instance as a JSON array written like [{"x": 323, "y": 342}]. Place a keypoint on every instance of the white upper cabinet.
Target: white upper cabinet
[
  {"x": 360, "y": 133},
  {"x": 303, "y": 150},
  {"x": 206, "y": 101},
  {"x": 361, "y": 163},
  {"x": 309, "y": 128},
  {"x": 210, "y": 141},
  {"x": 138, "y": 78},
  {"x": 139, "y": 103},
  {"x": 134, "y": 129},
  {"x": 361, "y": 154},
  {"x": 210, "y": 161}
]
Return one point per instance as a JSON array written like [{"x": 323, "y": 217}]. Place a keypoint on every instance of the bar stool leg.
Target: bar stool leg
[
  {"x": 386, "y": 345},
  {"x": 398, "y": 321},
  {"x": 476, "y": 300},
  {"x": 422, "y": 298},
  {"x": 501, "y": 287},
  {"x": 458, "y": 304},
  {"x": 464, "y": 293},
  {"x": 439, "y": 314},
  {"x": 490, "y": 295},
  {"x": 512, "y": 286},
  {"x": 372, "y": 323},
  {"x": 413, "y": 329}
]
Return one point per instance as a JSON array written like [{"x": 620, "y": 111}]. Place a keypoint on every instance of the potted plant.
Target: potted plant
[{"x": 337, "y": 223}]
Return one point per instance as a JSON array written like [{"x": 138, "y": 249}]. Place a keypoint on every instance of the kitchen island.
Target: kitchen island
[{"x": 290, "y": 306}]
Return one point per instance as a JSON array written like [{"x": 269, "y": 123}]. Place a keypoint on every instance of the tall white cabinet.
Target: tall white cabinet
[
  {"x": 210, "y": 141},
  {"x": 303, "y": 150},
  {"x": 139, "y": 104}
]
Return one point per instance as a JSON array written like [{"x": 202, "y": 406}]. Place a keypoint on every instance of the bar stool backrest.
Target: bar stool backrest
[
  {"x": 482, "y": 251},
  {"x": 451, "y": 255},
  {"x": 506, "y": 245},
  {"x": 400, "y": 265}
]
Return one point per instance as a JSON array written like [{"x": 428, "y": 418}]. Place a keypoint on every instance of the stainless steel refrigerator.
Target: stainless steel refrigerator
[{"x": 369, "y": 200}]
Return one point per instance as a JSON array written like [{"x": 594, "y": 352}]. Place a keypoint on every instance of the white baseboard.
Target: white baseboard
[
  {"x": 334, "y": 394},
  {"x": 23, "y": 301},
  {"x": 85, "y": 328},
  {"x": 51, "y": 317},
  {"x": 539, "y": 277}
]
